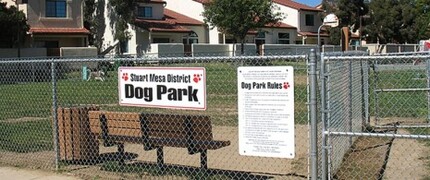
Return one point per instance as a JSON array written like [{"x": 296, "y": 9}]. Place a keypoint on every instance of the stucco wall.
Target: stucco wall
[
  {"x": 317, "y": 21},
  {"x": 272, "y": 35},
  {"x": 287, "y": 49},
  {"x": 167, "y": 50},
  {"x": 201, "y": 31},
  {"x": 290, "y": 15},
  {"x": 248, "y": 50},
  {"x": 157, "y": 10},
  {"x": 25, "y": 52},
  {"x": 78, "y": 52},
  {"x": 37, "y": 18},
  {"x": 194, "y": 10},
  {"x": 200, "y": 50}
]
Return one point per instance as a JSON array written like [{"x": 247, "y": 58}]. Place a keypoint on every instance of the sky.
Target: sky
[{"x": 311, "y": 3}]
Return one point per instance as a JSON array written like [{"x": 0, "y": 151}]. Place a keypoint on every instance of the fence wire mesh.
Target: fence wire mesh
[
  {"x": 97, "y": 138},
  {"x": 400, "y": 87},
  {"x": 368, "y": 100}
]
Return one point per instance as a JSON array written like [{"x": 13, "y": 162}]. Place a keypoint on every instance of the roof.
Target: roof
[
  {"x": 180, "y": 18},
  {"x": 296, "y": 5},
  {"x": 59, "y": 31},
  {"x": 172, "y": 22},
  {"x": 281, "y": 25}
]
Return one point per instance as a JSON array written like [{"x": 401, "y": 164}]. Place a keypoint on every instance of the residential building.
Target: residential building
[
  {"x": 156, "y": 24},
  {"x": 53, "y": 23},
  {"x": 281, "y": 33},
  {"x": 306, "y": 19}
]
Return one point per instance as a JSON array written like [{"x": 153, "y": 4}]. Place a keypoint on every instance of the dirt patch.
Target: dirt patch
[
  {"x": 225, "y": 160},
  {"x": 34, "y": 160},
  {"x": 228, "y": 158},
  {"x": 408, "y": 159},
  {"x": 24, "y": 119},
  {"x": 397, "y": 120},
  {"x": 387, "y": 158},
  {"x": 365, "y": 160}
]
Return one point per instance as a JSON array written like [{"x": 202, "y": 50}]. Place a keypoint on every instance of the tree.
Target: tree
[
  {"x": 13, "y": 25},
  {"x": 89, "y": 8},
  {"x": 423, "y": 19},
  {"x": 395, "y": 21},
  {"x": 94, "y": 21},
  {"x": 350, "y": 14},
  {"x": 120, "y": 17},
  {"x": 239, "y": 16}
]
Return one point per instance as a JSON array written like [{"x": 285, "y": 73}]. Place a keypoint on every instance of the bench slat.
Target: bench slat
[
  {"x": 137, "y": 132},
  {"x": 163, "y": 129},
  {"x": 173, "y": 142},
  {"x": 172, "y": 124}
]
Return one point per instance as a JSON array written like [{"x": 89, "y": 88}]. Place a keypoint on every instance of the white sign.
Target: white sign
[
  {"x": 266, "y": 111},
  {"x": 163, "y": 87},
  {"x": 331, "y": 20}
]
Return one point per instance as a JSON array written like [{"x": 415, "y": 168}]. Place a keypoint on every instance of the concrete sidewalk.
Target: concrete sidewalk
[{"x": 11, "y": 173}]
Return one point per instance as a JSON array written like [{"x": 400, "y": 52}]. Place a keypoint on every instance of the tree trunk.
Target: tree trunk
[{"x": 242, "y": 47}]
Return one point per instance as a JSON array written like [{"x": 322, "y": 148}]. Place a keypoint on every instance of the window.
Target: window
[
  {"x": 144, "y": 12},
  {"x": 190, "y": 38},
  {"x": 309, "y": 20},
  {"x": 283, "y": 38},
  {"x": 56, "y": 8}
]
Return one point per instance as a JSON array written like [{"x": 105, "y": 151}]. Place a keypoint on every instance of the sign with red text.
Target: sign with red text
[
  {"x": 163, "y": 87},
  {"x": 266, "y": 111}
]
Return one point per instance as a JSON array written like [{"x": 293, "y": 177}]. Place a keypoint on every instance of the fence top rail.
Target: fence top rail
[
  {"x": 392, "y": 57},
  {"x": 160, "y": 59},
  {"x": 345, "y": 53},
  {"x": 405, "y": 53}
]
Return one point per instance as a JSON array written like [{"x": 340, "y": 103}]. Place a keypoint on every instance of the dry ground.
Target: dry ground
[
  {"x": 369, "y": 157},
  {"x": 387, "y": 158},
  {"x": 226, "y": 158}
]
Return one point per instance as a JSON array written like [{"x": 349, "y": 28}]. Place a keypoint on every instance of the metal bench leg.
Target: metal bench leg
[
  {"x": 160, "y": 158},
  {"x": 204, "y": 159},
  {"x": 121, "y": 154}
]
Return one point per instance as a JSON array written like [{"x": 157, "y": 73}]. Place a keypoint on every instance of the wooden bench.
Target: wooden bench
[{"x": 155, "y": 131}]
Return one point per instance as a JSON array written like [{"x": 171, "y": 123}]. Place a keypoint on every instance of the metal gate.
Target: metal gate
[{"x": 365, "y": 102}]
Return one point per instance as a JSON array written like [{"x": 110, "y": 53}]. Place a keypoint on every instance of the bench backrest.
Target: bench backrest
[{"x": 155, "y": 125}]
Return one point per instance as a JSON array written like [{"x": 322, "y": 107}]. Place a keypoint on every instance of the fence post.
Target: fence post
[
  {"x": 324, "y": 159},
  {"x": 54, "y": 113},
  {"x": 428, "y": 92},
  {"x": 313, "y": 114},
  {"x": 350, "y": 99},
  {"x": 365, "y": 93}
]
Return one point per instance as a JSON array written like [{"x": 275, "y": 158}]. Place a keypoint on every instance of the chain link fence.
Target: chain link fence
[
  {"x": 400, "y": 81},
  {"x": 369, "y": 104},
  {"x": 356, "y": 117},
  {"x": 97, "y": 138}
]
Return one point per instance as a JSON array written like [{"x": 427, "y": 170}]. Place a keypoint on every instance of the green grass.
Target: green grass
[
  {"x": 399, "y": 104},
  {"x": 24, "y": 137},
  {"x": 34, "y": 99}
]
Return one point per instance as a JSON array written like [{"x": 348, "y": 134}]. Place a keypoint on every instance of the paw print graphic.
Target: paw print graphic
[
  {"x": 125, "y": 76},
  {"x": 286, "y": 85},
  {"x": 197, "y": 78}
]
